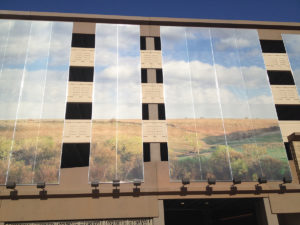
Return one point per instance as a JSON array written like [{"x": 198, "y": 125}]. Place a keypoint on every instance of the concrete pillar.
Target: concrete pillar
[
  {"x": 271, "y": 218},
  {"x": 160, "y": 220}
]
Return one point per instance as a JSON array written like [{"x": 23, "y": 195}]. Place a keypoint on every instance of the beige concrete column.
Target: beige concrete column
[
  {"x": 272, "y": 219},
  {"x": 294, "y": 140},
  {"x": 160, "y": 220}
]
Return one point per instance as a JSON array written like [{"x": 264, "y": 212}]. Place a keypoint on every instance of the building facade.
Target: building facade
[{"x": 148, "y": 120}]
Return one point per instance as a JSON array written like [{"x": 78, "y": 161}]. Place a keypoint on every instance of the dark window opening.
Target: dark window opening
[
  {"x": 159, "y": 76},
  {"x": 75, "y": 155},
  {"x": 157, "y": 44},
  {"x": 272, "y": 46},
  {"x": 79, "y": 110},
  {"x": 83, "y": 40},
  {"x": 143, "y": 43},
  {"x": 161, "y": 112},
  {"x": 288, "y": 150},
  {"x": 145, "y": 112},
  {"x": 164, "y": 151},
  {"x": 288, "y": 112},
  {"x": 146, "y": 151},
  {"x": 280, "y": 77},
  {"x": 81, "y": 74},
  {"x": 144, "y": 76}
]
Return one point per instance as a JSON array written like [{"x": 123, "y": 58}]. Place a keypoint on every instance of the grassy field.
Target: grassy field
[
  {"x": 196, "y": 150},
  {"x": 248, "y": 150}
]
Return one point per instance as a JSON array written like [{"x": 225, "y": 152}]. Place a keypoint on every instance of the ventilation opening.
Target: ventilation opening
[
  {"x": 281, "y": 78},
  {"x": 288, "y": 112},
  {"x": 75, "y": 155},
  {"x": 83, "y": 40},
  {"x": 163, "y": 151},
  {"x": 146, "y": 151},
  {"x": 79, "y": 111},
  {"x": 81, "y": 74},
  {"x": 161, "y": 112},
  {"x": 272, "y": 46}
]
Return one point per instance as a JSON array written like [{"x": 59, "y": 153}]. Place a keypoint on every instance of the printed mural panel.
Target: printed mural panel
[
  {"x": 271, "y": 152},
  {"x": 116, "y": 148},
  {"x": 38, "y": 54},
  {"x": 235, "y": 128}
]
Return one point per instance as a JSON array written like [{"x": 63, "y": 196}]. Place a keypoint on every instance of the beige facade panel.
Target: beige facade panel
[
  {"x": 78, "y": 208},
  {"x": 274, "y": 34},
  {"x": 152, "y": 93},
  {"x": 144, "y": 30},
  {"x": 151, "y": 75},
  {"x": 154, "y": 31},
  {"x": 295, "y": 149},
  {"x": 285, "y": 94},
  {"x": 276, "y": 61},
  {"x": 80, "y": 91},
  {"x": 285, "y": 203},
  {"x": 155, "y": 152},
  {"x": 150, "y": 30},
  {"x": 82, "y": 57},
  {"x": 77, "y": 131},
  {"x": 150, "y": 43},
  {"x": 153, "y": 111},
  {"x": 154, "y": 131},
  {"x": 84, "y": 28},
  {"x": 151, "y": 59},
  {"x": 269, "y": 34},
  {"x": 288, "y": 127}
]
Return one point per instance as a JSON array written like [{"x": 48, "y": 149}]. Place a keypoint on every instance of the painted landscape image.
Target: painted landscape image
[
  {"x": 36, "y": 151},
  {"x": 247, "y": 160},
  {"x": 116, "y": 150}
]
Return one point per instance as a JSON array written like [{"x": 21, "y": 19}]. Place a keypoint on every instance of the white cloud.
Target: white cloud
[{"x": 234, "y": 84}]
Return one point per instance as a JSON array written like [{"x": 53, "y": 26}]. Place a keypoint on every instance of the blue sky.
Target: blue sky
[{"x": 266, "y": 10}]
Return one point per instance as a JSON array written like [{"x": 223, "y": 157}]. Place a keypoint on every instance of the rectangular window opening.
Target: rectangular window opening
[
  {"x": 146, "y": 151},
  {"x": 288, "y": 150},
  {"x": 164, "y": 151},
  {"x": 83, "y": 40},
  {"x": 143, "y": 43},
  {"x": 288, "y": 112},
  {"x": 280, "y": 77},
  {"x": 161, "y": 112},
  {"x": 79, "y": 111},
  {"x": 144, "y": 75},
  {"x": 145, "y": 111},
  {"x": 159, "y": 76},
  {"x": 272, "y": 46},
  {"x": 157, "y": 43},
  {"x": 75, "y": 155},
  {"x": 81, "y": 74}
]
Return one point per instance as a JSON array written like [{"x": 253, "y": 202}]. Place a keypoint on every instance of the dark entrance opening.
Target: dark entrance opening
[{"x": 211, "y": 211}]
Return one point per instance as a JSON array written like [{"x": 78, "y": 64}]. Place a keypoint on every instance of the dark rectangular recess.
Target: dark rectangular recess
[
  {"x": 144, "y": 75},
  {"x": 81, "y": 74},
  {"x": 272, "y": 46},
  {"x": 288, "y": 150},
  {"x": 159, "y": 76},
  {"x": 161, "y": 112},
  {"x": 145, "y": 111},
  {"x": 280, "y": 77},
  {"x": 157, "y": 45},
  {"x": 164, "y": 151},
  {"x": 288, "y": 112},
  {"x": 146, "y": 152},
  {"x": 79, "y": 110},
  {"x": 83, "y": 40},
  {"x": 143, "y": 43},
  {"x": 75, "y": 155}
]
